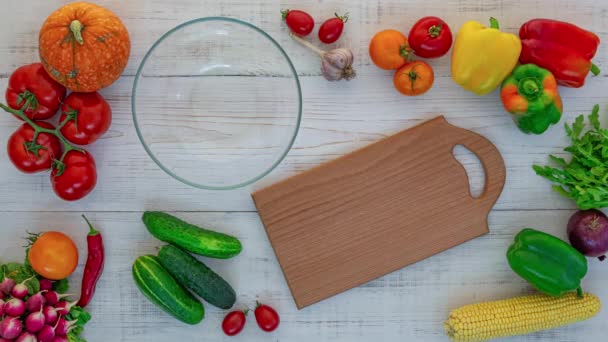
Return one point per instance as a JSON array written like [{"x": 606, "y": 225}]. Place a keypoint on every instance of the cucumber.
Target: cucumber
[
  {"x": 164, "y": 291},
  {"x": 194, "y": 239},
  {"x": 197, "y": 277}
]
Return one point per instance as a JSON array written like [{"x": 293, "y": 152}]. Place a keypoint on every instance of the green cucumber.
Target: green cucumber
[
  {"x": 194, "y": 239},
  {"x": 163, "y": 290},
  {"x": 197, "y": 277}
]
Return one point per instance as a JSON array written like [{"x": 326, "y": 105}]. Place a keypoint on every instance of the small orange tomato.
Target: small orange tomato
[
  {"x": 389, "y": 50},
  {"x": 414, "y": 78},
  {"x": 53, "y": 255}
]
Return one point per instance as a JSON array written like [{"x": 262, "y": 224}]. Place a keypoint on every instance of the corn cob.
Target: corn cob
[{"x": 518, "y": 316}]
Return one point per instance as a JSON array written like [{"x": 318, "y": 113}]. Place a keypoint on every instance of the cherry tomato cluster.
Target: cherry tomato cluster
[
  {"x": 430, "y": 37},
  {"x": 302, "y": 24},
  {"x": 36, "y": 146},
  {"x": 266, "y": 317}
]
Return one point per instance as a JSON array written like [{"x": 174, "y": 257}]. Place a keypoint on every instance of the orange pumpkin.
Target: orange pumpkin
[{"x": 84, "y": 46}]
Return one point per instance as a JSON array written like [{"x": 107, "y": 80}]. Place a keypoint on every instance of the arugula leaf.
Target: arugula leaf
[
  {"x": 75, "y": 337},
  {"x": 585, "y": 177},
  {"x": 82, "y": 317},
  {"x": 61, "y": 286}
]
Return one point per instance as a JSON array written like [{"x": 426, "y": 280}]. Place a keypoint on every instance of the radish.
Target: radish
[
  {"x": 26, "y": 337},
  {"x": 20, "y": 290},
  {"x": 35, "y": 321},
  {"x": 14, "y": 307},
  {"x": 7, "y": 285},
  {"x": 46, "y": 284},
  {"x": 50, "y": 315},
  {"x": 1, "y": 308},
  {"x": 53, "y": 297},
  {"x": 47, "y": 334},
  {"x": 10, "y": 328},
  {"x": 63, "y": 327},
  {"x": 64, "y": 307},
  {"x": 2, "y": 296},
  {"x": 59, "y": 339},
  {"x": 35, "y": 302}
]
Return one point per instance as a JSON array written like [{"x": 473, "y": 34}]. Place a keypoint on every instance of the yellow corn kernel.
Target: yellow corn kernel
[{"x": 518, "y": 316}]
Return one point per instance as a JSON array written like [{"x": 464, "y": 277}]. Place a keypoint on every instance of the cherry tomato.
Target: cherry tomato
[
  {"x": 389, "y": 50},
  {"x": 76, "y": 177},
  {"x": 299, "y": 22},
  {"x": 53, "y": 255},
  {"x": 234, "y": 322},
  {"x": 30, "y": 157},
  {"x": 430, "y": 37},
  {"x": 30, "y": 87},
  {"x": 414, "y": 78},
  {"x": 90, "y": 117},
  {"x": 267, "y": 318},
  {"x": 331, "y": 30}
]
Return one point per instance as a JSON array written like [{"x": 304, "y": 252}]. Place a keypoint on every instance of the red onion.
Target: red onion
[{"x": 588, "y": 233}]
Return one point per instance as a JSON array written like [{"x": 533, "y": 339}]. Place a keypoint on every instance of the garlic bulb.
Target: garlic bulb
[{"x": 336, "y": 64}]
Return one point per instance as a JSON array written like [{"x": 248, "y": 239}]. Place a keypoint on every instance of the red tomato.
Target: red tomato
[
  {"x": 267, "y": 318},
  {"x": 90, "y": 117},
  {"x": 430, "y": 37},
  {"x": 234, "y": 322},
  {"x": 299, "y": 22},
  {"x": 76, "y": 178},
  {"x": 32, "y": 88},
  {"x": 29, "y": 157},
  {"x": 332, "y": 28}
]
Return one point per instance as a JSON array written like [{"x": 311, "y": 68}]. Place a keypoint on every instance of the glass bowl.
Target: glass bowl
[{"x": 216, "y": 103}]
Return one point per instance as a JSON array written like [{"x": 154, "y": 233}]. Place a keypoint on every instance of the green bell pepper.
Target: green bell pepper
[{"x": 551, "y": 265}]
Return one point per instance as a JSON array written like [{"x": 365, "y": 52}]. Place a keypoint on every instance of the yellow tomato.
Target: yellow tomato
[{"x": 53, "y": 255}]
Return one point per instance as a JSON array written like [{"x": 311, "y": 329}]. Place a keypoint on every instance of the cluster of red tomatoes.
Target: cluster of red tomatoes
[
  {"x": 302, "y": 24},
  {"x": 38, "y": 145}
]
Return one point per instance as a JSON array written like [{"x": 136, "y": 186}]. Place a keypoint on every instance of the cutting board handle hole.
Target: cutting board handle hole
[{"x": 473, "y": 167}]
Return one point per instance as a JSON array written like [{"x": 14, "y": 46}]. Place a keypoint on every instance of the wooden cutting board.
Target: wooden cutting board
[{"x": 376, "y": 210}]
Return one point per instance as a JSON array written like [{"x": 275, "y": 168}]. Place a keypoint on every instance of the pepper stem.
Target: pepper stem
[
  {"x": 76, "y": 29},
  {"x": 435, "y": 30},
  {"x": 602, "y": 258},
  {"x": 494, "y": 23},
  {"x": 595, "y": 70},
  {"x": 579, "y": 292},
  {"x": 92, "y": 231},
  {"x": 529, "y": 87}
]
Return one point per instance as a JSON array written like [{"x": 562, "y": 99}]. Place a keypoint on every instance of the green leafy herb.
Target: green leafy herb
[
  {"x": 61, "y": 286},
  {"x": 585, "y": 178},
  {"x": 82, "y": 317}
]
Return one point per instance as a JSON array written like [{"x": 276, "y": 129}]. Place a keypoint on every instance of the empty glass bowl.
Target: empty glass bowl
[{"x": 217, "y": 103}]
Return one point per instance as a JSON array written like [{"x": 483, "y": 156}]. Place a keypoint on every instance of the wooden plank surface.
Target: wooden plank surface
[{"x": 407, "y": 305}]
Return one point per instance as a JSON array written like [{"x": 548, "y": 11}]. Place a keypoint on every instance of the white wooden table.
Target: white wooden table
[{"x": 408, "y": 305}]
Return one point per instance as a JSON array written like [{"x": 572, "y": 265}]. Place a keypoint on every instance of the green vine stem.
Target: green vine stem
[{"x": 67, "y": 146}]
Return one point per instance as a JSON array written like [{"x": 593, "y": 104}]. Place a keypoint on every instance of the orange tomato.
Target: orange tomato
[
  {"x": 53, "y": 255},
  {"x": 414, "y": 78},
  {"x": 389, "y": 49}
]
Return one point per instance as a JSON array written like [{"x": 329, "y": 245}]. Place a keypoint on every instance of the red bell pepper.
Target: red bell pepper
[{"x": 563, "y": 48}]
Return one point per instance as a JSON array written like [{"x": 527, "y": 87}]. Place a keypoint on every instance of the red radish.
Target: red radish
[
  {"x": 52, "y": 297},
  {"x": 7, "y": 285},
  {"x": 47, "y": 334},
  {"x": 64, "y": 307},
  {"x": 60, "y": 339},
  {"x": 20, "y": 290},
  {"x": 50, "y": 315},
  {"x": 3, "y": 340},
  {"x": 1, "y": 307},
  {"x": 35, "y": 321},
  {"x": 331, "y": 30},
  {"x": 588, "y": 233},
  {"x": 14, "y": 307},
  {"x": 299, "y": 22},
  {"x": 267, "y": 318},
  {"x": 63, "y": 327},
  {"x": 2, "y": 295},
  {"x": 26, "y": 337},
  {"x": 35, "y": 302},
  {"x": 10, "y": 328},
  {"x": 46, "y": 284}
]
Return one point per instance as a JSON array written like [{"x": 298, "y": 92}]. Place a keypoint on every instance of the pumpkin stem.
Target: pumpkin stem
[{"x": 76, "y": 28}]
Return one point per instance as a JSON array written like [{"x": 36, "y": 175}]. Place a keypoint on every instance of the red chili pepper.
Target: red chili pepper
[
  {"x": 563, "y": 48},
  {"x": 94, "y": 265}
]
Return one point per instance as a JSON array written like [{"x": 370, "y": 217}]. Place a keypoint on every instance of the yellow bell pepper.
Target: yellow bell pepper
[{"x": 483, "y": 56}]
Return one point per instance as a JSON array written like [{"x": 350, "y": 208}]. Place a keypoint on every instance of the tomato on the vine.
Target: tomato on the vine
[
  {"x": 234, "y": 322},
  {"x": 332, "y": 28},
  {"x": 31, "y": 156},
  {"x": 267, "y": 318},
  {"x": 32, "y": 89},
  {"x": 430, "y": 37},
  {"x": 89, "y": 116},
  {"x": 75, "y": 176},
  {"x": 299, "y": 22}
]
